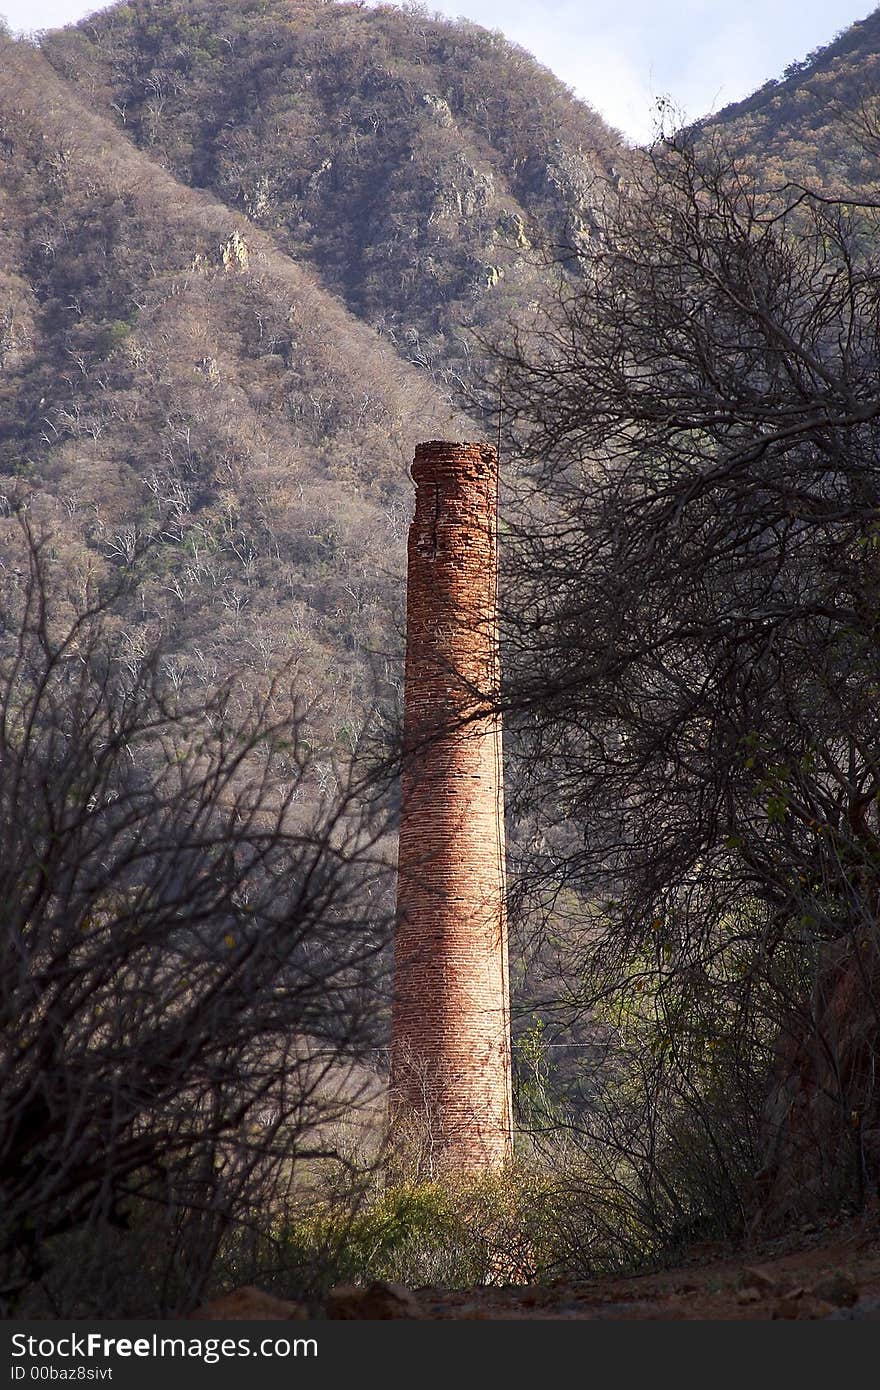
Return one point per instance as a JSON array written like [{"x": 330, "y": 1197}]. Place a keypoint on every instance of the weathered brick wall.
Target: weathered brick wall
[{"x": 451, "y": 1020}]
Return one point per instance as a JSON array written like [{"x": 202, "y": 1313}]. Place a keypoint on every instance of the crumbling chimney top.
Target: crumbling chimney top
[{"x": 439, "y": 458}]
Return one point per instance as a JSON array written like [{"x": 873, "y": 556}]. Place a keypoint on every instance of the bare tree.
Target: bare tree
[
  {"x": 189, "y": 951},
  {"x": 693, "y": 656}
]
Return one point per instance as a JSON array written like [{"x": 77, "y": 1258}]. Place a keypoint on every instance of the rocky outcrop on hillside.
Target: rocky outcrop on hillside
[{"x": 414, "y": 162}]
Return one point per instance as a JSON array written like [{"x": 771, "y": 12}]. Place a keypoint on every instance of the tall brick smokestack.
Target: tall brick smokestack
[{"x": 450, "y": 1056}]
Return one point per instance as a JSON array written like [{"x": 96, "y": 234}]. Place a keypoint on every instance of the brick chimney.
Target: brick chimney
[{"x": 450, "y": 1056}]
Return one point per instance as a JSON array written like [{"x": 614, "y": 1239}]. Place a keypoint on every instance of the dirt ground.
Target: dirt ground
[{"x": 833, "y": 1273}]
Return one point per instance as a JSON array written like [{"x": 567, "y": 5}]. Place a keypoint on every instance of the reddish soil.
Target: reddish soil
[{"x": 833, "y": 1273}]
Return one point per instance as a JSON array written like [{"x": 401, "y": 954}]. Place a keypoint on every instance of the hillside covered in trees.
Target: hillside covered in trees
[
  {"x": 411, "y": 160},
  {"x": 211, "y": 385},
  {"x": 187, "y": 273},
  {"x": 818, "y": 120}
]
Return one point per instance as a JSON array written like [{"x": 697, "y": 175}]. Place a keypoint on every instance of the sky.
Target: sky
[{"x": 621, "y": 55}]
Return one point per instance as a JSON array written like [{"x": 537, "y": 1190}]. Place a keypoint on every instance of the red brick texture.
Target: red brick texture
[{"x": 450, "y": 1062}]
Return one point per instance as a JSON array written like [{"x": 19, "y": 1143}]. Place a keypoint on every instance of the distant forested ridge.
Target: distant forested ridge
[{"x": 813, "y": 122}]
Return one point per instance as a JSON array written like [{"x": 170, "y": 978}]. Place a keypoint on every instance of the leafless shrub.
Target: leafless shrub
[{"x": 188, "y": 954}]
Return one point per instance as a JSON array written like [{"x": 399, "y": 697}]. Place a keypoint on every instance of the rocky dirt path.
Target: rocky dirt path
[{"x": 816, "y": 1276}]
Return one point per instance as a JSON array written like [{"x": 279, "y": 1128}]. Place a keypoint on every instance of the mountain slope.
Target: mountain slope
[
  {"x": 412, "y": 160},
  {"x": 200, "y": 205},
  {"x": 161, "y": 358},
  {"x": 811, "y": 123}
]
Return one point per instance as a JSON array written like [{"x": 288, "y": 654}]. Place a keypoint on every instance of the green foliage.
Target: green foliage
[
  {"x": 563, "y": 1217},
  {"x": 536, "y": 1100},
  {"x": 406, "y": 1234},
  {"x": 117, "y": 333},
  {"x": 526, "y": 1225}
]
